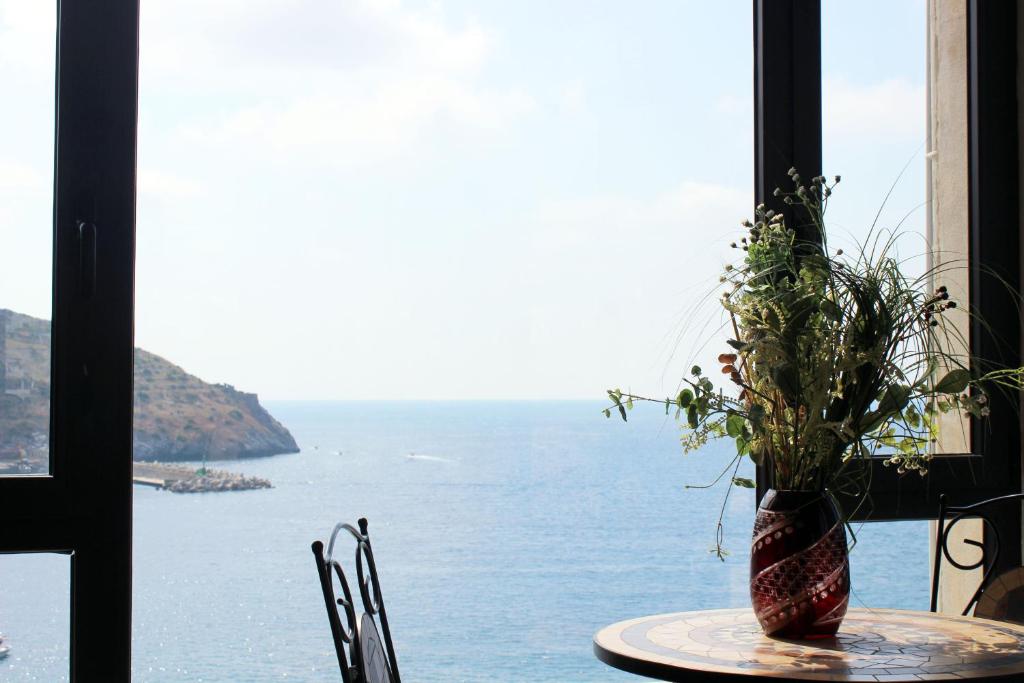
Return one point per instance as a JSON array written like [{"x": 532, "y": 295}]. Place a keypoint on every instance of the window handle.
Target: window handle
[{"x": 86, "y": 258}]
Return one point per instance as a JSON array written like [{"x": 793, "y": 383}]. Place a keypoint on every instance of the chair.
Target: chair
[
  {"x": 994, "y": 598},
  {"x": 370, "y": 662}
]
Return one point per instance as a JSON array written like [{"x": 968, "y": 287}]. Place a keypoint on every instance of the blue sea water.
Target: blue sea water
[{"x": 519, "y": 530}]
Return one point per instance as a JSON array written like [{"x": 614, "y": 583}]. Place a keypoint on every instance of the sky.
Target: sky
[{"x": 377, "y": 199}]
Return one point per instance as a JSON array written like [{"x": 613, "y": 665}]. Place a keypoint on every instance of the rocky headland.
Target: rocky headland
[{"x": 177, "y": 415}]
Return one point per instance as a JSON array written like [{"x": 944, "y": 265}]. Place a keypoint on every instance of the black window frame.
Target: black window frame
[
  {"x": 83, "y": 506},
  {"x": 788, "y": 131}
]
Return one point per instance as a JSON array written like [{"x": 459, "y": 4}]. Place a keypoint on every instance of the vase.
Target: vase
[{"x": 799, "y": 565}]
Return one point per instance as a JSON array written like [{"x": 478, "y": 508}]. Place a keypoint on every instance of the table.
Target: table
[{"x": 872, "y": 645}]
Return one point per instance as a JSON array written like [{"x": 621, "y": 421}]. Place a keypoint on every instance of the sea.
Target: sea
[{"x": 506, "y": 534}]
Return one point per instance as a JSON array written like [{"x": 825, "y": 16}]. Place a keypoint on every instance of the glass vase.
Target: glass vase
[{"x": 799, "y": 565}]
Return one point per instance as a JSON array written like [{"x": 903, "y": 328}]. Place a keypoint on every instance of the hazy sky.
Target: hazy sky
[{"x": 383, "y": 199}]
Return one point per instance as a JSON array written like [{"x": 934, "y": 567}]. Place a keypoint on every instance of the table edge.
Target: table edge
[{"x": 669, "y": 672}]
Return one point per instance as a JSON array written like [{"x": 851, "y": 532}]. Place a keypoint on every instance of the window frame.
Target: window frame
[
  {"x": 788, "y": 130},
  {"x": 83, "y": 506}
]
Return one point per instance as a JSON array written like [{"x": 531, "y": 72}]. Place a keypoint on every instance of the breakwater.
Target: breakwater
[{"x": 181, "y": 479}]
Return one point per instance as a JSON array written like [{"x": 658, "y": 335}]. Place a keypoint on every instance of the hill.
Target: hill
[{"x": 177, "y": 415}]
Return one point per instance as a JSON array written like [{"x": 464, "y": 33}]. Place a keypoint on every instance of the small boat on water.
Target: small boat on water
[{"x": 4, "y": 650}]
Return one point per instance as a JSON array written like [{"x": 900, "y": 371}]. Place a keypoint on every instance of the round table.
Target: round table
[{"x": 872, "y": 645}]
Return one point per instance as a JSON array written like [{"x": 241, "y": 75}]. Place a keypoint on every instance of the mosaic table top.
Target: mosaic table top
[{"x": 872, "y": 645}]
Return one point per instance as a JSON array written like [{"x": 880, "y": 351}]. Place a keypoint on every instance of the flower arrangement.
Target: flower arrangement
[{"x": 833, "y": 359}]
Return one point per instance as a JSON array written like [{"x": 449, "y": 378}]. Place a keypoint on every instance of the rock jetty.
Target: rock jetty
[{"x": 180, "y": 479}]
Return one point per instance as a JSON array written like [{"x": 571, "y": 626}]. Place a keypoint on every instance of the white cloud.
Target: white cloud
[
  {"x": 631, "y": 274},
  {"x": 886, "y": 110},
  {"x": 731, "y": 103},
  {"x": 163, "y": 185},
  {"x": 244, "y": 35},
  {"x": 573, "y": 99},
  {"x": 351, "y": 81},
  {"x": 16, "y": 177},
  {"x": 361, "y": 121},
  {"x": 28, "y": 37}
]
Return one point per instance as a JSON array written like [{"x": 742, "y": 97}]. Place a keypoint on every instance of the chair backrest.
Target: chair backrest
[
  {"x": 949, "y": 516},
  {"x": 367, "y": 659}
]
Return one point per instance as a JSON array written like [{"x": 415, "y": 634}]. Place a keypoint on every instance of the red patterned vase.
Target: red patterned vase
[{"x": 799, "y": 565}]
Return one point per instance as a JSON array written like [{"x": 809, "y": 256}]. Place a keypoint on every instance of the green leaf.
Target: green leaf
[
  {"x": 831, "y": 310},
  {"x": 691, "y": 416},
  {"x": 719, "y": 552},
  {"x": 629, "y": 403},
  {"x": 756, "y": 414},
  {"x": 742, "y": 446},
  {"x": 695, "y": 371},
  {"x": 786, "y": 378},
  {"x": 894, "y": 399},
  {"x": 622, "y": 412},
  {"x": 607, "y": 412},
  {"x": 743, "y": 482},
  {"x": 736, "y": 344},
  {"x": 685, "y": 398},
  {"x": 912, "y": 417},
  {"x": 734, "y": 425},
  {"x": 954, "y": 382}
]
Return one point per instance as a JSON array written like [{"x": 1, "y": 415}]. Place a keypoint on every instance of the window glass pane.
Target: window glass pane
[
  {"x": 481, "y": 220},
  {"x": 35, "y": 614},
  {"x": 27, "y": 67},
  {"x": 875, "y": 136},
  {"x": 889, "y": 565},
  {"x": 875, "y": 122},
  {"x": 902, "y": 148}
]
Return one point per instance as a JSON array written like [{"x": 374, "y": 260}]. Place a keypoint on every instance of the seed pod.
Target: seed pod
[
  {"x": 727, "y": 358},
  {"x": 729, "y": 370}
]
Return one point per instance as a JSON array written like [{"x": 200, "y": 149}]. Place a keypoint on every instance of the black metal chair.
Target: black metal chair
[
  {"x": 993, "y": 598},
  {"x": 371, "y": 662}
]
